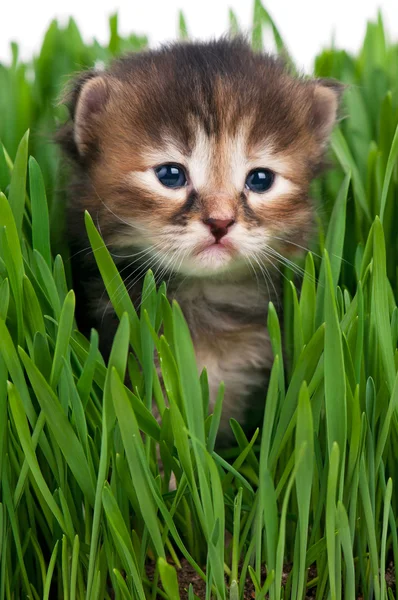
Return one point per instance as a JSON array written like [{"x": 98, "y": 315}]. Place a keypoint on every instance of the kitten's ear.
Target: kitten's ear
[
  {"x": 90, "y": 102},
  {"x": 326, "y": 101}
]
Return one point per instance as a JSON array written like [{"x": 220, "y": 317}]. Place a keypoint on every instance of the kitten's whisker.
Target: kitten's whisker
[
  {"x": 267, "y": 256},
  {"x": 186, "y": 276},
  {"x": 133, "y": 226},
  {"x": 144, "y": 253},
  {"x": 172, "y": 264},
  {"x": 119, "y": 289},
  {"x": 253, "y": 269},
  {"x": 184, "y": 255},
  {"x": 168, "y": 265},
  {"x": 91, "y": 251},
  {"x": 143, "y": 268},
  {"x": 99, "y": 226},
  {"x": 170, "y": 268},
  {"x": 88, "y": 250},
  {"x": 286, "y": 241},
  {"x": 286, "y": 260},
  {"x": 135, "y": 254},
  {"x": 312, "y": 251},
  {"x": 267, "y": 277},
  {"x": 295, "y": 268},
  {"x": 283, "y": 260},
  {"x": 159, "y": 258}
]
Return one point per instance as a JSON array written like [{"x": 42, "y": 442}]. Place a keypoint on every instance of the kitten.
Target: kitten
[{"x": 195, "y": 161}]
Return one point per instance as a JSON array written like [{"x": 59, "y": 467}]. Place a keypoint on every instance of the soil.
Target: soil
[{"x": 187, "y": 575}]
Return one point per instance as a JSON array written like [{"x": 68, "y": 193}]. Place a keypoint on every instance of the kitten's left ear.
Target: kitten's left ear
[
  {"x": 326, "y": 101},
  {"x": 85, "y": 98}
]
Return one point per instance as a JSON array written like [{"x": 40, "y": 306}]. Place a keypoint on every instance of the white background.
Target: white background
[{"x": 306, "y": 25}]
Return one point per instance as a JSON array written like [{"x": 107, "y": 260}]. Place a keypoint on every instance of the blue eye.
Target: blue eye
[
  {"x": 171, "y": 176},
  {"x": 260, "y": 180}
]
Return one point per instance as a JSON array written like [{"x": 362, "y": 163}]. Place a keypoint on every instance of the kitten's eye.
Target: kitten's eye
[
  {"x": 171, "y": 176},
  {"x": 260, "y": 180}
]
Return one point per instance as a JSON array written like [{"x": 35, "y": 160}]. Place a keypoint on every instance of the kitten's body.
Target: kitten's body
[
  {"x": 223, "y": 121},
  {"x": 228, "y": 326}
]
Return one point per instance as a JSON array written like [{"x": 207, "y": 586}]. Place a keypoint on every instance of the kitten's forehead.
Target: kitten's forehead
[{"x": 218, "y": 88}]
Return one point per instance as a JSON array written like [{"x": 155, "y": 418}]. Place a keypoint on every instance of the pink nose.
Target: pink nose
[{"x": 219, "y": 227}]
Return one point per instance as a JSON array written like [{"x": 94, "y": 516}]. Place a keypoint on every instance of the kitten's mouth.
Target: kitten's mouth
[
  {"x": 209, "y": 258},
  {"x": 215, "y": 255},
  {"x": 218, "y": 246}
]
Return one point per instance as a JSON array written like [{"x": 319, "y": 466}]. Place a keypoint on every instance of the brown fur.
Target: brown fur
[{"x": 222, "y": 110}]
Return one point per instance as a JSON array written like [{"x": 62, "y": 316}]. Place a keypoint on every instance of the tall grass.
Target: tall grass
[{"x": 83, "y": 504}]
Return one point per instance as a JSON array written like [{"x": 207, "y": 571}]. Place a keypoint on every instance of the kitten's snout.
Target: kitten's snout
[{"x": 219, "y": 227}]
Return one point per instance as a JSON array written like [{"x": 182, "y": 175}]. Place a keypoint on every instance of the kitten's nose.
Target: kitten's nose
[{"x": 219, "y": 227}]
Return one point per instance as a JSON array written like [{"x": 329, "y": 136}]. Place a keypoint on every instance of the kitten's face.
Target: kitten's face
[
  {"x": 218, "y": 205},
  {"x": 200, "y": 156}
]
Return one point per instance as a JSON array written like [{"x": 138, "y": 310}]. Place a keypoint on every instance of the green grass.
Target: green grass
[{"x": 83, "y": 506}]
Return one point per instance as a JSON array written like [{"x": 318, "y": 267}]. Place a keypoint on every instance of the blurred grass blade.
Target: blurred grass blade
[
  {"x": 335, "y": 386},
  {"x": 18, "y": 182},
  {"x": 40, "y": 221}
]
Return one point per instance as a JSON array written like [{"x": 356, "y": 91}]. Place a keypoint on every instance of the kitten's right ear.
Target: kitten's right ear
[
  {"x": 90, "y": 102},
  {"x": 326, "y": 100}
]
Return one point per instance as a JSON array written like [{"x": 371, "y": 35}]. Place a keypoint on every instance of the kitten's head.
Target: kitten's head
[{"x": 199, "y": 155}]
